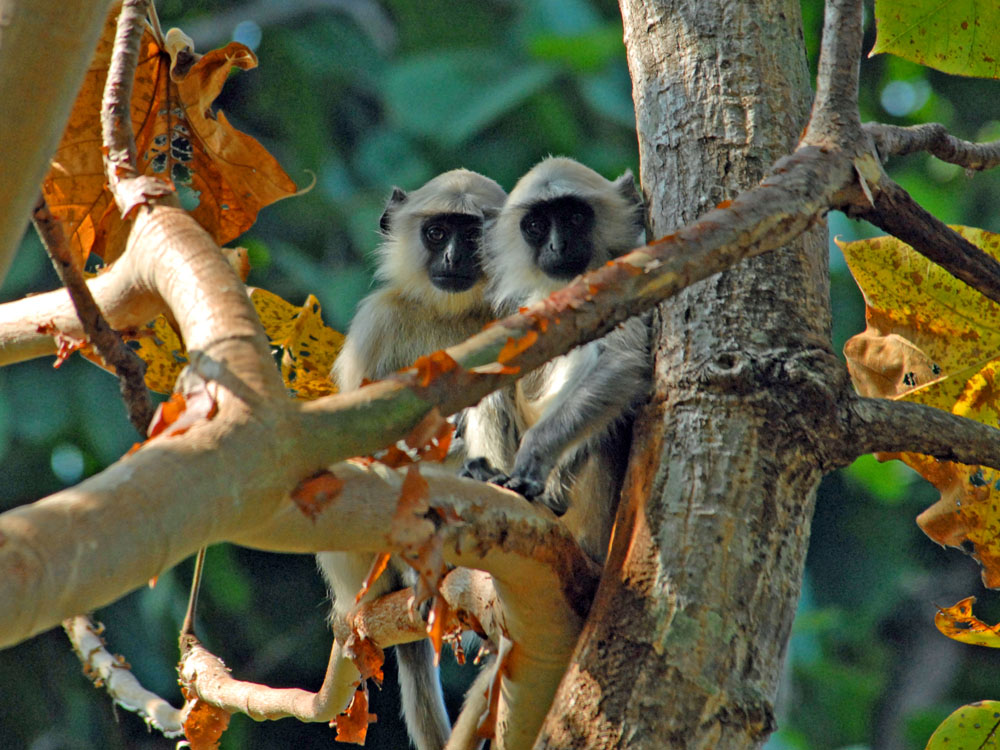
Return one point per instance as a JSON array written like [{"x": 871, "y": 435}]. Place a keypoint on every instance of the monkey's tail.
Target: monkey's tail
[{"x": 420, "y": 690}]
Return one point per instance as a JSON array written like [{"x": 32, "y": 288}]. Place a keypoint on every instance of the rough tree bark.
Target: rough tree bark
[{"x": 686, "y": 640}]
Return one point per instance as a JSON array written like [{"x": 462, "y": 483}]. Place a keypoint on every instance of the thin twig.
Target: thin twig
[
  {"x": 934, "y": 138},
  {"x": 187, "y": 628},
  {"x": 114, "y": 674},
  {"x": 131, "y": 370},
  {"x": 116, "y": 120}
]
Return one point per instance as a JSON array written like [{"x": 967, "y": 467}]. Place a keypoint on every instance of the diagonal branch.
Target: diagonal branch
[
  {"x": 888, "y": 426},
  {"x": 895, "y": 140},
  {"x": 895, "y": 211},
  {"x": 129, "y": 368}
]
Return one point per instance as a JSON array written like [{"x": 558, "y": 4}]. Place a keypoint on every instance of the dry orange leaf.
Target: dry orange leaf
[
  {"x": 352, "y": 725},
  {"x": 367, "y": 657},
  {"x": 203, "y": 723},
  {"x": 315, "y": 494},
  {"x": 410, "y": 508},
  {"x": 378, "y": 567},
  {"x": 513, "y": 347},
  {"x": 223, "y": 177},
  {"x": 958, "y": 623}
]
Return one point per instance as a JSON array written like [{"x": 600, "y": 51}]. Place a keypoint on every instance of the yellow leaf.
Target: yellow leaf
[
  {"x": 932, "y": 339},
  {"x": 958, "y": 623},
  {"x": 161, "y": 349},
  {"x": 310, "y": 347}
]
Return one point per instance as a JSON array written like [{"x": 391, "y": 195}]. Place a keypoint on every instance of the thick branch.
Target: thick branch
[
  {"x": 883, "y": 425},
  {"x": 46, "y": 47},
  {"x": 894, "y": 140},
  {"x": 835, "y": 122}
]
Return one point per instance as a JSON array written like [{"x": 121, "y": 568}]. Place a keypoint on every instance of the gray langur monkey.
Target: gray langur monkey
[
  {"x": 432, "y": 296},
  {"x": 560, "y": 220}
]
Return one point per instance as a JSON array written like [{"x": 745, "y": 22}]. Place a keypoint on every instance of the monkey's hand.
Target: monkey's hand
[{"x": 482, "y": 470}]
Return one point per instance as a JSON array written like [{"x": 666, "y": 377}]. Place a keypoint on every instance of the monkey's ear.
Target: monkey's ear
[
  {"x": 397, "y": 198},
  {"x": 625, "y": 185},
  {"x": 490, "y": 215}
]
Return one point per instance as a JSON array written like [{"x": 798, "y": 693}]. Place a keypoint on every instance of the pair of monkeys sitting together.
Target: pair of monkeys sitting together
[{"x": 458, "y": 253}]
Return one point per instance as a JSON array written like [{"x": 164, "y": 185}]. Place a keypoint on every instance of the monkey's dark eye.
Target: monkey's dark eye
[
  {"x": 534, "y": 227},
  {"x": 577, "y": 219},
  {"x": 435, "y": 233}
]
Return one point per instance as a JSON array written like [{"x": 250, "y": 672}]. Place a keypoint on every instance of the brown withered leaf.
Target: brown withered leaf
[
  {"x": 958, "y": 623},
  {"x": 431, "y": 438},
  {"x": 352, "y": 725},
  {"x": 316, "y": 493},
  {"x": 367, "y": 657},
  {"x": 224, "y": 177},
  {"x": 204, "y": 723}
]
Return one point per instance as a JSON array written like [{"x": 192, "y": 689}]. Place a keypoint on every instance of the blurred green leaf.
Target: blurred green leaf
[
  {"x": 450, "y": 96},
  {"x": 609, "y": 93},
  {"x": 224, "y": 580},
  {"x": 889, "y": 481},
  {"x": 390, "y": 158},
  {"x": 564, "y": 17},
  {"x": 582, "y": 53}
]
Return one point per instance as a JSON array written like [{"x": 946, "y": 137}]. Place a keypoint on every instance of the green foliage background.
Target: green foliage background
[{"x": 392, "y": 94}]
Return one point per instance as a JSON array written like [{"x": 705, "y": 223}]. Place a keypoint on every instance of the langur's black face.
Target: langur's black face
[
  {"x": 452, "y": 243},
  {"x": 561, "y": 232}
]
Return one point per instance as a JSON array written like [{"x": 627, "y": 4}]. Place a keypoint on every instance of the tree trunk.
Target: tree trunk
[{"x": 685, "y": 643}]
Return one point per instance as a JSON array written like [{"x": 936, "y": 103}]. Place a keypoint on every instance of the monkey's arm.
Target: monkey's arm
[
  {"x": 490, "y": 435},
  {"x": 604, "y": 381}
]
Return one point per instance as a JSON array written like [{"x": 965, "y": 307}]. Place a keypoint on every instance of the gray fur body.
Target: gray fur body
[
  {"x": 407, "y": 318},
  {"x": 567, "y": 417}
]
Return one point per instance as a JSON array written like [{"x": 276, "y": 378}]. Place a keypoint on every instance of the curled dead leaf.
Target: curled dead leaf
[
  {"x": 958, "y": 623},
  {"x": 378, "y": 567},
  {"x": 352, "y": 725},
  {"x": 366, "y": 655}
]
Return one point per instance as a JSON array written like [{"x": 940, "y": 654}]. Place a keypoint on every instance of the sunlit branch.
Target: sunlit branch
[{"x": 895, "y": 140}]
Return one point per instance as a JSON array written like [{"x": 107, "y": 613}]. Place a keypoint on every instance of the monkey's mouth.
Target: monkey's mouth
[
  {"x": 454, "y": 282},
  {"x": 563, "y": 268}
]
